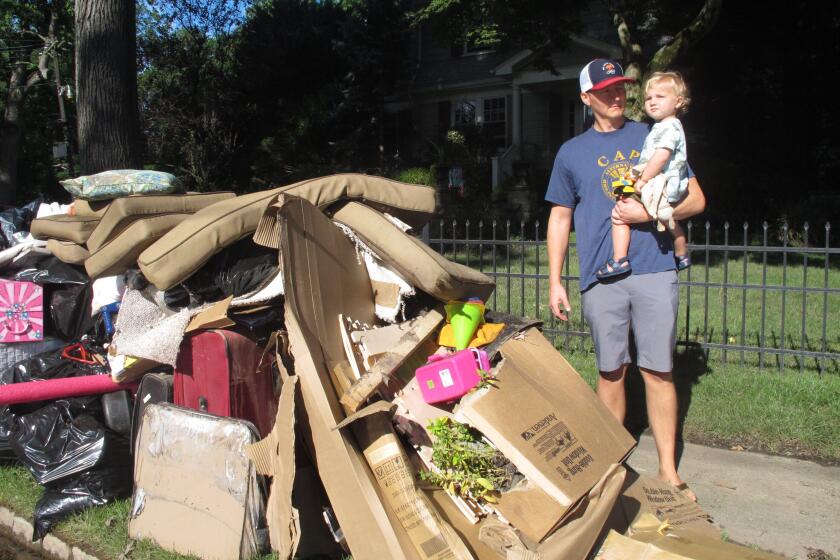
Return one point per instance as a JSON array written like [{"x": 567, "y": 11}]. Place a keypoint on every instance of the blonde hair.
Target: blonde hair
[{"x": 677, "y": 82}]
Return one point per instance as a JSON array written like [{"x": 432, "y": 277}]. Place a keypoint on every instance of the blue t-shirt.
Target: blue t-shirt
[{"x": 584, "y": 170}]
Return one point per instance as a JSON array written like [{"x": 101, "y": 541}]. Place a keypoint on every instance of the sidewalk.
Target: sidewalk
[{"x": 776, "y": 503}]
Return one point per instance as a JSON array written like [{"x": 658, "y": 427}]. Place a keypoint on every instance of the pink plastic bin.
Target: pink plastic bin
[{"x": 446, "y": 378}]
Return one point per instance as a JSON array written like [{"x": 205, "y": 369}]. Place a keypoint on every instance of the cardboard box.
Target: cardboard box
[
  {"x": 433, "y": 538},
  {"x": 547, "y": 421}
]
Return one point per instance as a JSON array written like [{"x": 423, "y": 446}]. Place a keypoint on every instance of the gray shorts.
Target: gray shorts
[{"x": 648, "y": 304}]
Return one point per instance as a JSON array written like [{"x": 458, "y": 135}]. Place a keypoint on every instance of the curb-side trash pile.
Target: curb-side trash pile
[{"x": 293, "y": 370}]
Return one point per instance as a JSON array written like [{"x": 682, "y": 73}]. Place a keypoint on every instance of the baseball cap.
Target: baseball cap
[{"x": 600, "y": 73}]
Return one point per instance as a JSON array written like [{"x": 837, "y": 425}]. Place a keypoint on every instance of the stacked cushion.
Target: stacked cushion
[
  {"x": 178, "y": 254},
  {"x": 65, "y": 228},
  {"x": 420, "y": 265},
  {"x": 67, "y": 251},
  {"x": 122, "y": 212}
]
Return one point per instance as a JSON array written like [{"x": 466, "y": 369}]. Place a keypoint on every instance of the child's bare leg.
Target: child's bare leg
[
  {"x": 680, "y": 243},
  {"x": 621, "y": 241}
]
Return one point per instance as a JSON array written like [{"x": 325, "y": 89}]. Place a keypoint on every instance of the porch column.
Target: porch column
[{"x": 516, "y": 117}]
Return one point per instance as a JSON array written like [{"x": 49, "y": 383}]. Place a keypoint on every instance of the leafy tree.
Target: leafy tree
[
  {"x": 539, "y": 25},
  {"x": 186, "y": 87},
  {"x": 31, "y": 35},
  {"x": 267, "y": 92}
]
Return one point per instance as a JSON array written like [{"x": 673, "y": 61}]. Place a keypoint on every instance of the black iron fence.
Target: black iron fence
[{"x": 768, "y": 298}]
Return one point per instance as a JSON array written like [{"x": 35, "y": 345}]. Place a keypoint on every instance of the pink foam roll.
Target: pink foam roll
[{"x": 52, "y": 389}]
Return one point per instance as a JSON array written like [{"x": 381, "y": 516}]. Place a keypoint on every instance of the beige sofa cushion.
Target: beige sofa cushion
[
  {"x": 182, "y": 251},
  {"x": 120, "y": 253},
  {"x": 66, "y": 228},
  {"x": 420, "y": 265},
  {"x": 90, "y": 208},
  {"x": 67, "y": 251},
  {"x": 122, "y": 212}
]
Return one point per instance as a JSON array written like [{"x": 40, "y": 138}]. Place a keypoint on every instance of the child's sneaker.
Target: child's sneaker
[{"x": 683, "y": 261}]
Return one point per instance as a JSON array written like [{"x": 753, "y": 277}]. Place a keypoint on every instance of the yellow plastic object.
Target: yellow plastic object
[{"x": 486, "y": 333}]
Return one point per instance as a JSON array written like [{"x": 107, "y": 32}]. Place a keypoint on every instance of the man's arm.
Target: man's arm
[
  {"x": 629, "y": 211},
  {"x": 694, "y": 202},
  {"x": 557, "y": 238}
]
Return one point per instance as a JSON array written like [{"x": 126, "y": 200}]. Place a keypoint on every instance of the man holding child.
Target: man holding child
[{"x": 645, "y": 299}]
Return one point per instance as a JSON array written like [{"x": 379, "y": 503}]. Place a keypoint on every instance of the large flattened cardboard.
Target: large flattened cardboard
[
  {"x": 195, "y": 491},
  {"x": 650, "y": 539},
  {"x": 321, "y": 274},
  {"x": 545, "y": 419}
]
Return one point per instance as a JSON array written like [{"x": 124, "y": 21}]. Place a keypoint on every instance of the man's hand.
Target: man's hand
[
  {"x": 629, "y": 211},
  {"x": 559, "y": 301}
]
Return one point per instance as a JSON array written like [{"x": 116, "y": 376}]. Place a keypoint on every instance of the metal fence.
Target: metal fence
[{"x": 762, "y": 297}]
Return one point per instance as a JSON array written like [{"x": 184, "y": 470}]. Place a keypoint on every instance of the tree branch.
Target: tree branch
[{"x": 688, "y": 37}]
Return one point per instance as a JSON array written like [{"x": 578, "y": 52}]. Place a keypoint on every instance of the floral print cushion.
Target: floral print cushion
[{"x": 122, "y": 182}]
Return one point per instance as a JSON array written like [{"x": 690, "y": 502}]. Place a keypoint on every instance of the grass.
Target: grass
[
  {"x": 101, "y": 531},
  {"x": 740, "y": 302},
  {"x": 785, "y": 413}
]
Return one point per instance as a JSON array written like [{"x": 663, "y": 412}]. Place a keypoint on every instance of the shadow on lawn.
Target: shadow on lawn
[{"x": 690, "y": 364}]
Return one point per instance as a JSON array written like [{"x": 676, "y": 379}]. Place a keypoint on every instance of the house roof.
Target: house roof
[{"x": 440, "y": 72}]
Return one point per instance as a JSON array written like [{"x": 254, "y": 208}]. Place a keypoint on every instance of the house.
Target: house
[{"x": 526, "y": 112}]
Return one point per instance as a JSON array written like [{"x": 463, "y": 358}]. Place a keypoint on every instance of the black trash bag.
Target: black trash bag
[
  {"x": 237, "y": 270},
  {"x": 77, "y": 493},
  {"x": 259, "y": 325},
  {"x": 65, "y": 438},
  {"x": 47, "y": 365},
  {"x": 16, "y": 220},
  {"x": 68, "y": 294}
]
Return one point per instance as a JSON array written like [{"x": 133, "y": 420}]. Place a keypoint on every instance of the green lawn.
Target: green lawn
[
  {"x": 779, "y": 404},
  {"x": 741, "y": 303},
  {"x": 101, "y": 531}
]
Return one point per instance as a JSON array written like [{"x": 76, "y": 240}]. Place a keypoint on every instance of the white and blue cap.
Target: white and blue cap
[{"x": 600, "y": 73}]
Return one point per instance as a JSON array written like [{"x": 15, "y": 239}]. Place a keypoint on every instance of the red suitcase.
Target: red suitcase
[{"x": 225, "y": 373}]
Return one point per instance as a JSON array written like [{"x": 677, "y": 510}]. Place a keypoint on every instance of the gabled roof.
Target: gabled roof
[{"x": 523, "y": 58}]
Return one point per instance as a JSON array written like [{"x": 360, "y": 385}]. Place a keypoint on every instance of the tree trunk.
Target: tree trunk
[
  {"x": 106, "y": 85},
  {"x": 10, "y": 136}
]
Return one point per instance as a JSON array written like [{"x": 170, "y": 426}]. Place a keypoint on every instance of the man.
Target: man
[{"x": 645, "y": 300}]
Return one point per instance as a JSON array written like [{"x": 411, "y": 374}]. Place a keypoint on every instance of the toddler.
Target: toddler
[{"x": 661, "y": 174}]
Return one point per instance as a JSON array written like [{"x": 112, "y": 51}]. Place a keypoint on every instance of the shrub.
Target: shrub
[{"x": 415, "y": 176}]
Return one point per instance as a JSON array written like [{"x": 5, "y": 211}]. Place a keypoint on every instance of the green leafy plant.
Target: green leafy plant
[
  {"x": 487, "y": 379},
  {"x": 415, "y": 176},
  {"x": 467, "y": 466}
]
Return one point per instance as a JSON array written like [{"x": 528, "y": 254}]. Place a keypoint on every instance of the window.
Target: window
[
  {"x": 489, "y": 113},
  {"x": 495, "y": 121},
  {"x": 465, "y": 112},
  {"x": 494, "y": 110}
]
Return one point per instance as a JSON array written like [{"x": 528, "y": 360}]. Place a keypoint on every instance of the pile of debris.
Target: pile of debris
[{"x": 293, "y": 370}]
